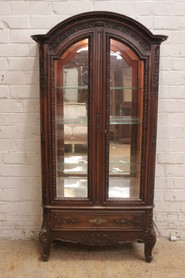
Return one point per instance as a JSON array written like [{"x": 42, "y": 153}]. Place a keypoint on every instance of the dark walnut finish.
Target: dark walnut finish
[{"x": 98, "y": 101}]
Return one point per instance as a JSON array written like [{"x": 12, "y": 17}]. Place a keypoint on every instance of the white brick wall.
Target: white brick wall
[{"x": 20, "y": 189}]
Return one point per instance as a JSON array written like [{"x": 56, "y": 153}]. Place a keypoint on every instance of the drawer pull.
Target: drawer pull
[
  {"x": 121, "y": 221},
  {"x": 97, "y": 221}
]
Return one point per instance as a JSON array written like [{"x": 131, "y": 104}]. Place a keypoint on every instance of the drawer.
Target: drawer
[{"x": 87, "y": 220}]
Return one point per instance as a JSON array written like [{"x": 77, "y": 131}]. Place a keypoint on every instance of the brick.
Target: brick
[
  {"x": 159, "y": 195},
  {"x": 170, "y": 183},
  {"x": 24, "y": 64},
  {"x": 26, "y": 145},
  {"x": 177, "y": 50},
  {"x": 175, "y": 195},
  {"x": 34, "y": 50},
  {"x": 172, "y": 217},
  {"x": 162, "y": 145},
  {"x": 23, "y": 195},
  {"x": 179, "y": 182},
  {"x": 162, "y": 225},
  {"x": 166, "y": 64},
  {"x": 170, "y": 132},
  {"x": 182, "y": 217},
  {"x": 175, "y": 119},
  {"x": 176, "y": 145},
  {"x": 160, "y": 170},
  {"x": 7, "y": 145},
  {"x": 175, "y": 170},
  {"x": 114, "y": 6},
  {"x": 19, "y": 170},
  {"x": 160, "y": 183},
  {"x": 172, "y": 77},
  {"x": 178, "y": 64},
  {"x": 151, "y": 8},
  {"x": 14, "y": 50},
  {"x": 20, "y": 132},
  {"x": 24, "y": 91},
  {"x": 179, "y": 36},
  {"x": 13, "y": 158},
  {"x": 167, "y": 207},
  {"x": 162, "y": 119},
  {"x": 5, "y": 8},
  {"x": 23, "y": 36},
  {"x": 33, "y": 159},
  {"x": 183, "y": 207},
  {"x": 19, "y": 234},
  {"x": 170, "y": 158},
  {"x": 175, "y": 22},
  {"x": 32, "y": 77},
  {"x": 3, "y": 217},
  {"x": 36, "y": 219},
  {"x": 146, "y": 21},
  {"x": 71, "y": 8},
  {"x": 4, "y": 92},
  {"x": 179, "y": 9},
  {"x": 171, "y": 106},
  {"x": 16, "y": 22},
  {"x": 175, "y": 92},
  {"x": 31, "y": 106},
  {"x": 160, "y": 217},
  {"x": 31, "y": 7},
  {"x": 19, "y": 182},
  {"x": 3, "y": 119},
  {"x": 44, "y": 22},
  {"x": 23, "y": 119},
  {"x": 172, "y": 227},
  {"x": 4, "y": 36},
  {"x": 20, "y": 207},
  {"x": 11, "y": 106},
  {"x": 3, "y": 64},
  {"x": 55, "y": 19},
  {"x": 12, "y": 77}
]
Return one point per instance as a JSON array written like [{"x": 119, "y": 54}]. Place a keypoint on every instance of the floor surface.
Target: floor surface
[{"x": 23, "y": 259}]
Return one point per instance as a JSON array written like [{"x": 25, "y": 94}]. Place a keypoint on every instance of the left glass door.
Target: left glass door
[{"x": 71, "y": 121}]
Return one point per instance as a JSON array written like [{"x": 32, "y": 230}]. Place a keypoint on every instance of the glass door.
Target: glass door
[
  {"x": 71, "y": 125},
  {"x": 125, "y": 122}
]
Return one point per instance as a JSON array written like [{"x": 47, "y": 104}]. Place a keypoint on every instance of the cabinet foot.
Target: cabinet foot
[
  {"x": 45, "y": 242},
  {"x": 149, "y": 244}
]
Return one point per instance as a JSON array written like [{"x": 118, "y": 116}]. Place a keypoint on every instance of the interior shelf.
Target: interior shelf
[
  {"x": 86, "y": 87},
  {"x": 114, "y": 120}
]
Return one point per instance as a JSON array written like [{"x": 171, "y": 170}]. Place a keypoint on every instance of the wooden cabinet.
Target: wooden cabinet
[{"x": 98, "y": 102}]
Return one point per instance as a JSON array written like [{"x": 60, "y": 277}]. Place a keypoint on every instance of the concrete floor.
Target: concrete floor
[{"x": 23, "y": 259}]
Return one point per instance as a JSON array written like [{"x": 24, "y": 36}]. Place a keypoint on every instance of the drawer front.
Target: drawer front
[{"x": 83, "y": 220}]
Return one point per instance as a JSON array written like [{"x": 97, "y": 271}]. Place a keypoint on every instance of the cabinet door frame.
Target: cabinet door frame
[
  {"x": 52, "y": 56},
  {"x": 145, "y": 57}
]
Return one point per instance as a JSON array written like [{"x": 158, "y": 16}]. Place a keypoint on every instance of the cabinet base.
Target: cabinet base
[{"x": 100, "y": 238}]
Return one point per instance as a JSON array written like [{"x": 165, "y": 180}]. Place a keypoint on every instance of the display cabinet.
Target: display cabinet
[{"x": 98, "y": 102}]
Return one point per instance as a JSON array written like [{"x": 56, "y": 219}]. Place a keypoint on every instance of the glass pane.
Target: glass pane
[
  {"x": 71, "y": 87},
  {"x": 125, "y": 129}
]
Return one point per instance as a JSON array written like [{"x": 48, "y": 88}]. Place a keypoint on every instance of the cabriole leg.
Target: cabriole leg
[
  {"x": 150, "y": 241},
  {"x": 45, "y": 242}
]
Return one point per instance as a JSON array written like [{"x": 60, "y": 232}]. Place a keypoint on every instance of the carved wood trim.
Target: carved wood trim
[
  {"x": 136, "y": 221},
  {"x": 155, "y": 73},
  {"x": 58, "y": 220}
]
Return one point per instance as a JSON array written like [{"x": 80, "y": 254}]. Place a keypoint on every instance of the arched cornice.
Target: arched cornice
[{"x": 90, "y": 20}]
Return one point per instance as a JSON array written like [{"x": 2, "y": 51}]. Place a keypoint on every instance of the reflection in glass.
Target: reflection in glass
[
  {"x": 71, "y": 88},
  {"x": 125, "y": 129}
]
